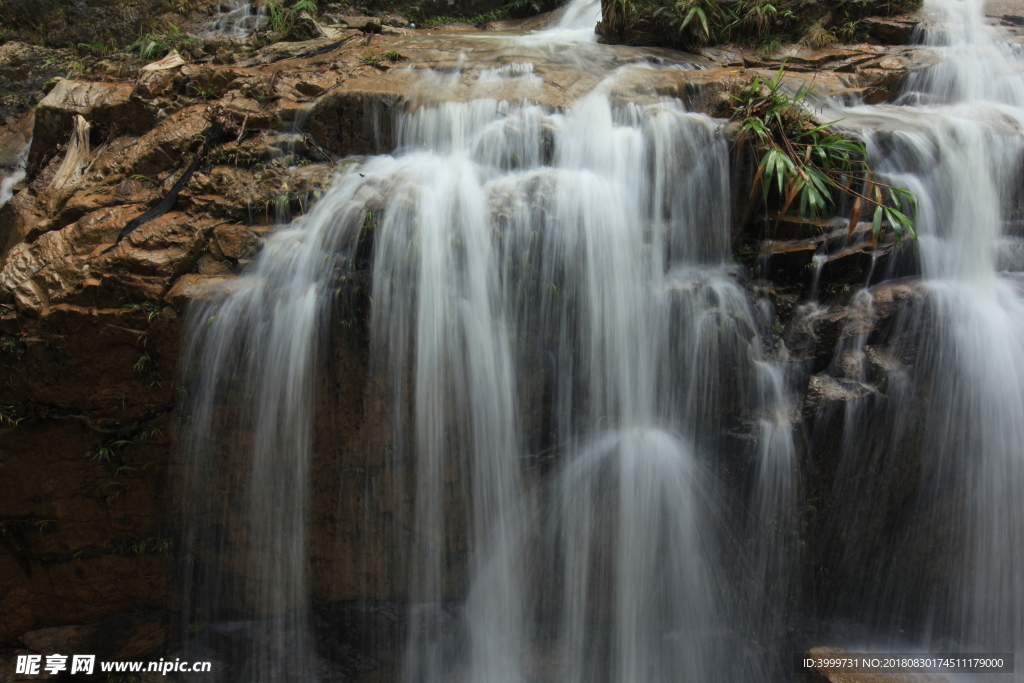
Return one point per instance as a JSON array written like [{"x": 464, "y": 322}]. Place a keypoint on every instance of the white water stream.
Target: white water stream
[{"x": 561, "y": 281}]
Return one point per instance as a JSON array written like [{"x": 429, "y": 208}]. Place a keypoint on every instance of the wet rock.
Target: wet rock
[
  {"x": 815, "y": 332},
  {"x": 195, "y": 286},
  {"x": 368, "y": 120},
  {"x": 255, "y": 115},
  {"x": 887, "y": 31},
  {"x": 882, "y": 85},
  {"x": 236, "y": 242},
  {"x": 824, "y": 389},
  {"x": 209, "y": 264},
  {"x": 309, "y": 89},
  {"x": 164, "y": 247}
]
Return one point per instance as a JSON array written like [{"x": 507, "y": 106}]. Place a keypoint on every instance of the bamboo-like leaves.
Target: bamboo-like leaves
[{"x": 807, "y": 165}]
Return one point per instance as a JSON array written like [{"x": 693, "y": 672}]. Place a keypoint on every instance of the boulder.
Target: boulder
[
  {"x": 101, "y": 104},
  {"x": 823, "y": 390},
  {"x": 305, "y": 27},
  {"x": 161, "y": 77},
  {"x": 236, "y": 242},
  {"x": 367, "y": 114},
  {"x": 364, "y": 24},
  {"x": 887, "y": 31},
  {"x": 195, "y": 286}
]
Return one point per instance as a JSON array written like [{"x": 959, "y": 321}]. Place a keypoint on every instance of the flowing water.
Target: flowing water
[
  {"x": 554, "y": 284},
  {"x": 956, "y": 142},
  {"x": 237, "y": 19}
]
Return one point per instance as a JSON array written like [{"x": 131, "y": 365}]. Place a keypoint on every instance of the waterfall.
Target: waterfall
[
  {"x": 13, "y": 161},
  {"x": 237, "y": 20},
  {"x": 955, "y": 140},
  {"x": 560, "y": 344}
]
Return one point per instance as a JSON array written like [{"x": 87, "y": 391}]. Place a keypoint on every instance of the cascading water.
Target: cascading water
[
  {"x": 956, "y": 142},
  {"x": 238, "y": 19},
  {"x": 555, "y": 284},
  {"x": 519, "y": 254},
  {"x": 12, "y": 168}
]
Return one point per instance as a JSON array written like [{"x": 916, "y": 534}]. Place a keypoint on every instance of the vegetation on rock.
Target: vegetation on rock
[
  {"x": 764, "y": 24},
  {"x": 805, "y": 165}
]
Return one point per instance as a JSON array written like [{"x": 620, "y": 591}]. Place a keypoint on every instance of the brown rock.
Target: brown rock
[
  {"x": 367, "y": 113},
  {"x": 99, "y": 103},
  {"x": 224, "y": 57},
  {"x": 364, "y": 24},
  {"x": 192, "y": 286},
  {"x": 823, "y": 390},
  {"x": 209, "y": 265},
  {"x": 30, "y": 299},
  {"x": 887, "y": 31},
  {"x": 236, "y": 242},
  {"x": 309, "y": 89},
  {"x": 153, "y": 84},
  {"x": 160, "y": 149}
]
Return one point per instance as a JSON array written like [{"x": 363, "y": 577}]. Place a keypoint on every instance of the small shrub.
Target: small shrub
[
  {"x": 804, "y": 165},
  {"x": 817, "y": 37}
]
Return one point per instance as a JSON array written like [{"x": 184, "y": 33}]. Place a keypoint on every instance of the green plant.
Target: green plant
[
  {"x": 421, "y": 19},
  {"x": 759, "y": 15},
  {"x": 200, "y": 91},
  {"x": 116, "y": 485},
  {"x": 150, "y": 46},
  {"x": 280, "y": 19},
  {"x": 697, "y": 18},
  {"x": 817, "y": 37},
  {"x": 803, "y": 164},
  {"x": 847, "y": 31},
  {"x": 370, "y": 59},
  {"x": 394, "y": 56},
  {"x": 144, "y": 363},
  {"x": 96, "y": 48},
  {"x": 157, "y": 45},
  {"x": 769, "y": 44}
]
